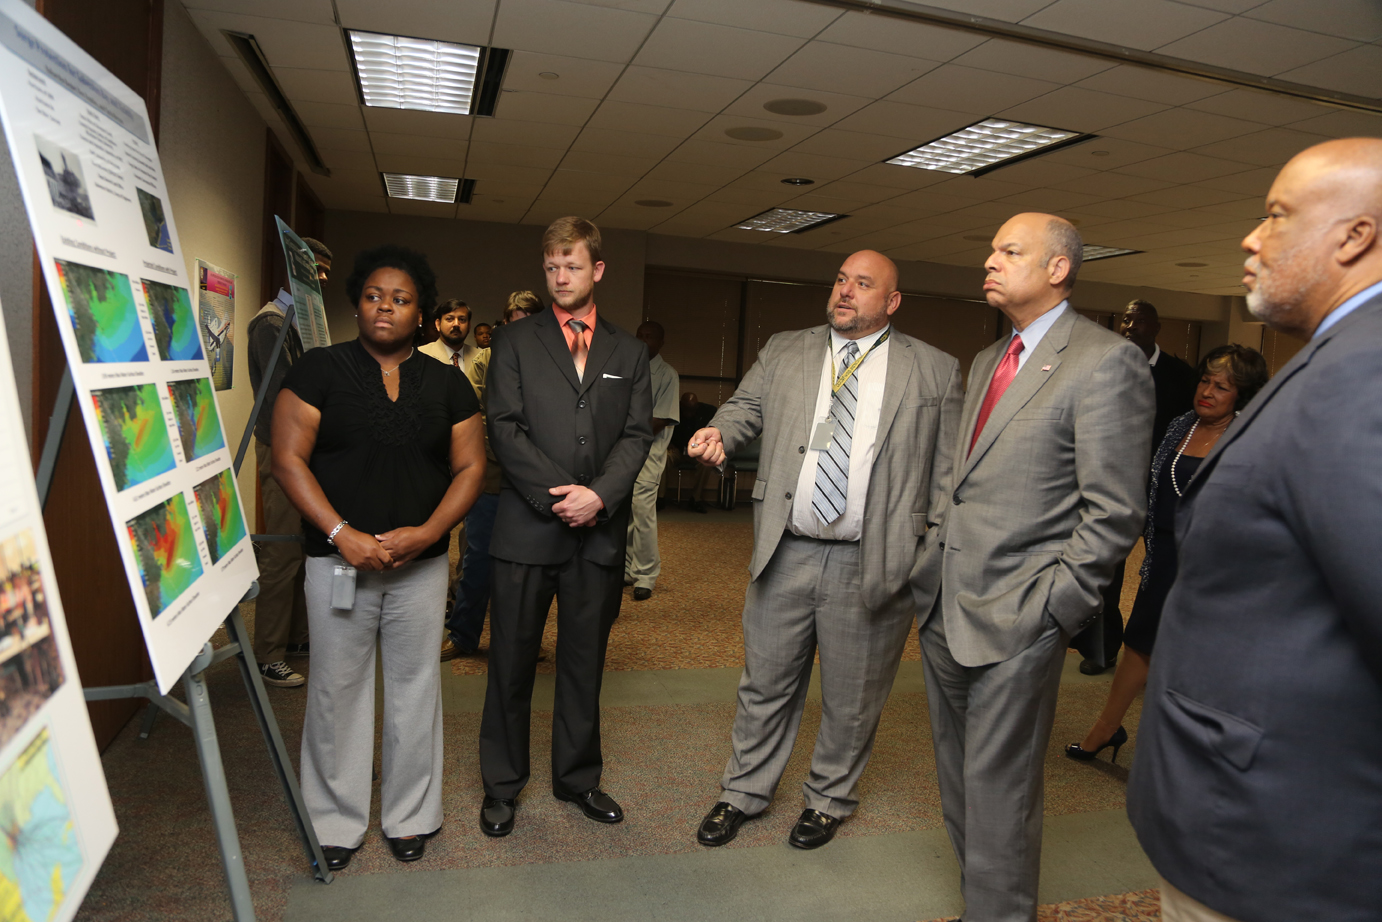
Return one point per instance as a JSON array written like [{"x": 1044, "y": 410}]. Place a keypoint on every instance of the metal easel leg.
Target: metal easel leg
[
  {"x": 217, "y": 794},
  {"x": 146, "y": 726}
]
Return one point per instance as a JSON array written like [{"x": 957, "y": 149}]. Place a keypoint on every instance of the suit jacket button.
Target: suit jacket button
[
  {"x": 955, "y": 498},
  {"x": 789, "y": 496},
  {"x": 581, "y": 440},
  {"x": 942, "y": 545},
  {"x": 801, "y": 449},
  {"x": 581, "y": 405}
]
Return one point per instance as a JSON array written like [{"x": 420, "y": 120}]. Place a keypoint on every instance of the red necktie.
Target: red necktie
[
  {"x": 456, "y": 359},
  {"x": 1002, "y": 376}
]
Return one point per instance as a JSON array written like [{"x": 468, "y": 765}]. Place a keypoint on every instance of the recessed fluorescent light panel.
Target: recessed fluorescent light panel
[
  {"x": 421, "y": 188},
  {"x": 986, "y": 146},
  {"x": 787, "y": 221},
  {"x": 1093, "y": 251},
  {"x": 397, "y": 72}
]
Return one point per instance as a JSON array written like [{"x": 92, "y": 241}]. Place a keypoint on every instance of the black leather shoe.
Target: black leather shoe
[
  {"x": 595, "y": 804},
  {"x": 496, "y": 816},
  {"x": 642, "y": 594},
  {"x": 407, "y": 848},
  {"x": 813, "y": 829},
  {"x": 720, "y": 825},
  {"x": 337, "y": 856},
  {"x": 1089, "y": 667}
]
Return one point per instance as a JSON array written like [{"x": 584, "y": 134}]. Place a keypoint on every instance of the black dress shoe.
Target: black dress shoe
[
  {"x": 720, "y": 825},
  {"x": 642, "y": 594},
  {"x": 1080, "y": 754},
  {"x": 407, "y": 848},
  {"x": 496, "y": 816},
  {"x": 1089, "y": 667},
  {"x": 337, "y": 856},
  {"x": 813, "y": 829},
  {"x": 595, "y": 804}
]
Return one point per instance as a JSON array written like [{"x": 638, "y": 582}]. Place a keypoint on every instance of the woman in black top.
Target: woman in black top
[
  {"x": 381, "y": 450},
  {"x": 1229, "y": 377}
]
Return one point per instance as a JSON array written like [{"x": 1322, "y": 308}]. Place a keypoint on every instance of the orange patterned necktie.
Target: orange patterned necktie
[
  {"x": 1002, "y": 376},
  {"x": 578, "y": 347}
]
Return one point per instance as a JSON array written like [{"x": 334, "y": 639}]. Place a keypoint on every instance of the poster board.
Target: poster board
[
  {"x": 216, "y": 319},
  {"x": 309, "y": 309},
  {"x": 55, "y": 810},
  {"x": 108, "y": 245}
]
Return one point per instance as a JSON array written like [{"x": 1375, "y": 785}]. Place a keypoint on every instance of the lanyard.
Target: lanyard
[{"x": 848, "y": 373}]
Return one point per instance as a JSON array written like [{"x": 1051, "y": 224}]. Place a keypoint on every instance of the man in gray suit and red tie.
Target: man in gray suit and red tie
[
  {"x": 858, "y": 424},
  {"x": 1047, "y": 497},
  {"x": 1257, "y": 789}
]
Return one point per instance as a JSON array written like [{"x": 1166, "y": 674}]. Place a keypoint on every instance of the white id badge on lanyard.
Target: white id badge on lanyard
[{"x": 825, "y": 431}]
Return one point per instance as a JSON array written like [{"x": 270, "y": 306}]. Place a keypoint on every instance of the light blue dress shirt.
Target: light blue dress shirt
[{"x": 1343, "y": 310}]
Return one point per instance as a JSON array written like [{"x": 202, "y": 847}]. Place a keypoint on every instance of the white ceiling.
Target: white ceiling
[{"x": 646, "y": 90}]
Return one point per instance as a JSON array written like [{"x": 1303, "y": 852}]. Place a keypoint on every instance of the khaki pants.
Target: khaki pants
[
  {"x": 1177, "y": 907},
  {"x": 642, "y": 562},
  {"x": 280, "y": 612}
]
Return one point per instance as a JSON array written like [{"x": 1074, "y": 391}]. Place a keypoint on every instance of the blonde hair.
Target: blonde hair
[
  {"x": 565, "y": 233},
  {"x": 522, "y": 301}
]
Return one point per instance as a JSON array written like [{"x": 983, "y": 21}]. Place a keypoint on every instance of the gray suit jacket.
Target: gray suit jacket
[
  {"x": 1051, "y": 498},
  {"x": 1257, "y": 787},
  {"x": 912, "y": 455}
]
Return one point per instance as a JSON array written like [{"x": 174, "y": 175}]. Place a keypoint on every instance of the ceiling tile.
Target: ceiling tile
[
  {"x": 817, "y": 167},
  {"x": 899, "y": 36},
  {"x": 842, "y": 69},
  {"x": 1182, "y": 167},
  {"x": 786, "y": 17},
  {"x": 339, "y": 139},
  {"x": 347, "y": 200},
  {"x": 720, "y": 51},
  {"x": 501, "y": 210},
  {"x": 1359, "y": 20},
  {"x": 819, "y": 201},
  {"x": 631, "y": 217},
  {"x": 1076, "y": 109},
  {"x": 419, "y": 145},
  {"x": 421, "y": 209},
  {"x": 559, "y": 27},
  {"x": 1048, "y": 200},
  {"x": 329, "y": 115},
  {"x": 1105, "y": 153},
  {"x": 1268, "y": 108},
  {"x": 1256, "y": 47},
  {"x": 1037, "y": 171},
  {"x": 676, "y": 123},
  {"x": 545, "y": 107},
  {"x": 716, "y": 154},
  {"x": 403, "y": 162},
  {"x": 337, "y": 160},
  {"x": 285, "y": 43},
  {"x": 751, "y": 199},
  {"x": 656, "y": 7},
  {"x": 613, "y": 164},
  {"x": 1009, "y": 57},
  {"x": 575, "y": 77},
  {"x": 1183, "y": 128},
  {"x": 629, "y": 143},
  {"x": 357, "y": 179},
  {"x": 1272, "y": 147},
  {"x": 656, "y": 87},
  {"x": 837, "y": 105},
  {"x": 1252, "y": 182},
  {"x": 545, "y": 211},
  {"x": 715, "y": 130},
  {"x": 1339, "y": 124},
  {"x": 978, "y": 188},
  {"x": 512, "y": 131},
  {"x": 1186, "y": 197},
  {"x": 1152, "y": 85},
  {"x": 517, "y": 154},
  {"x": 856, "y": 191},
  {"x": 678, "y": 171},
  {"x": 967, "y": 89},
  {"x": 1123, "y": 209},
  {"x": 506, "y": 172},
  {"x": 1113, "y": 185},
  {"x": 595, "y": 188},
  {"x": 468, "y": 22},
  {"x": 299, "y": 10},
  {"x": 431, "y": 124},
  {"x": 1357, "y": 71},
  {"x": 918, "y": 124},
  {"x": 498, "y": 188},
  {"x": 926, "y": 203},
  {"x": 303, "y": 85},
  {"x": 1010, "y": 10},
  {"x": 855, "y": 145},
  {"x": 1144, "y": 24},
  {"x": 898, "y": 177}
]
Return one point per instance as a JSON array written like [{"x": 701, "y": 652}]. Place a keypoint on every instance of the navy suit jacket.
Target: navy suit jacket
[{"x": 1257, "y": 786}]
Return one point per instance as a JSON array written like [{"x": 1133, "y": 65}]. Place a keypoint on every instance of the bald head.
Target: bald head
[
  {"x": 865, "y": 295},
  {"x": 1318, "y": 244}
]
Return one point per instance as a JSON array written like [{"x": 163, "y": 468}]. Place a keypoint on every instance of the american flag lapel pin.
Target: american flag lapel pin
[{"x": 1045, "y": 367}]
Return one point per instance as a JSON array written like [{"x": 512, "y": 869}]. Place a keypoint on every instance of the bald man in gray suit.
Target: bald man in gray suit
[{"x": 1048, "y": 496}]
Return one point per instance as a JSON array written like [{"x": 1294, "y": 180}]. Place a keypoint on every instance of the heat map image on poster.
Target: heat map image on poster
[
  {"x": 166, "y": 548},
  {"x": 40, "y": 853},
  {"x": 195, "y": 409},
  {"x": 222, "y": 521},
  {"x": 175, "y": 328},
  {"x": 103, "y": 314},
  {"x": 135, "y": 433}
]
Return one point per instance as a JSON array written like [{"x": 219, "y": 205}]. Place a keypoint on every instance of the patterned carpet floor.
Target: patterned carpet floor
[{"x": 663, "y": 763}]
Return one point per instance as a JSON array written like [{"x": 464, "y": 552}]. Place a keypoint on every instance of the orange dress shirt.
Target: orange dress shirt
[{"x": 570, "y": 334}]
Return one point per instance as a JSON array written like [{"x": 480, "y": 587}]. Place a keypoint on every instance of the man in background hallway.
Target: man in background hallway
[
  {"x": 642, "y": 562},
  {"x": 1174, "y": 382},
  {"x": 858, "y": 423},
  {"x": 280, "y": 610},
  {"x": 695, "y": 416},
  {"x": 452, "y": 322},
  {"x": 483, "y": 332},
  {"x": 1258, "y": 777},
  {"x": 1048, "y": 495}
]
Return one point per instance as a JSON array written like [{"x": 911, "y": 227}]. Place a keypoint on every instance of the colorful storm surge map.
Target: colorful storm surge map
[
  {"x": 104, "y": 317},
  {"x": 221, "y": 518},
  {"x": 135, "y": 434},
  {"x": 166, "y": 548},
  {"x": 175, "y": 329},
  {"x": 40, "y": 855},
  {"x": 195, "y": 409}
]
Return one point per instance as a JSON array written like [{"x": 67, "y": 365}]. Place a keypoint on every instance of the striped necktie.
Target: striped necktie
[
  {"x": 578, "y": 347},
  {"x": 832, "y": 468}
]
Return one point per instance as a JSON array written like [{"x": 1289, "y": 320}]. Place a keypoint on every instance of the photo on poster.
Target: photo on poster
[
  {"x": 30, "y": 666},
  {"x": 40, "y": 852},
  {"x": 100, "y": 304},
  {"x": 194, "y": 406},
  {"x": 155, "y": 223},
  {"x": 222, "y": 520},
  {"x": 216, "y": 312},
  {"x": 175, "y": 328},
  {"x": 135, "y": 433},
  {"x": 66, "y": 181},
  {"x": 166, "y": 548}
]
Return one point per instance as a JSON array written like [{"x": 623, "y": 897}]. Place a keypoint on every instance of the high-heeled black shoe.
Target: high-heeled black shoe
[{"x": 1080, "y": 754}]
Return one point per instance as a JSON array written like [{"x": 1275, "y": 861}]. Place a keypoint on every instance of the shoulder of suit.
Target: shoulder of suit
[
  {"x": 1091, "y": 334},
  {"x": 924, "y": 351}
]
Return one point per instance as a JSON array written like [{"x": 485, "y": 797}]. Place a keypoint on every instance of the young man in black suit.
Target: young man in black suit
[{"x": 570, "y": 411}]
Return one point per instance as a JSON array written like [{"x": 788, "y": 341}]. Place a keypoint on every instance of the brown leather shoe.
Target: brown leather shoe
[{"x": 448, "y": 650}]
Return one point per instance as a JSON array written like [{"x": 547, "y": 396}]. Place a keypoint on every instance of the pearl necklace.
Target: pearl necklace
[{"x": 1183, "y": 445}]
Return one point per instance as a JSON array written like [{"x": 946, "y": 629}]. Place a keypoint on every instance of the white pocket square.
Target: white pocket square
[{"x": 615, "y": 377}]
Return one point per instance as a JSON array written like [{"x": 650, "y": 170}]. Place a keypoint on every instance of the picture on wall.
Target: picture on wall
[
  {"x": 216, "y": 312},
  {"x": 155, "y": 224},
  {"x": 100, "y": 304},
  {"x": 135, "y": 433},
  {"x": 219, "y": 506},
  {"x": 194, "y": 406},
  {"x": 66, "y": 181},
  {"x": 40, "y": 851},
  {"x": 175, "y": 327},
  {"x": 166, "y": 548},
  {"x": 30, "y": 667}
]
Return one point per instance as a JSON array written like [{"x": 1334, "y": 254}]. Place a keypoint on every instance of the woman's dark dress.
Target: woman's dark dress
[{"x": 1140, "y": 633}]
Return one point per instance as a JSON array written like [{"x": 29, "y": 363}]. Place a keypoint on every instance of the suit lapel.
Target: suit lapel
[
  {"x": 894, "y": 385},
  {"x": 812, "y": 347},
  {"x": 601, "y": 348},
  {"x": 551, "y": 336}
]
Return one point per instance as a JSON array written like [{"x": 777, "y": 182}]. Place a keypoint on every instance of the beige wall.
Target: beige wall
[{"x": 211, "y": 142}]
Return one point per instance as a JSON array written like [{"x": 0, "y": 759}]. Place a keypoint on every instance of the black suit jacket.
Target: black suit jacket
[
  {"x": 549, "y": 428},
  {"x": 1175, "y": 383},
  {"x": 1257, "y": 786}
]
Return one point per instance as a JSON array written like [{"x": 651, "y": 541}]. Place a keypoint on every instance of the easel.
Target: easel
[{"x": 196, "y": 712}]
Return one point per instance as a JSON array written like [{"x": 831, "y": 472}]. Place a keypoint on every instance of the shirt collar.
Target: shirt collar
[
  {"x": 837, "y": 342},
  {"x": 1038, "y": 327},
  {"x": 283, "y": 300},
  {"x": 1156, "y": 354},
  {"x": 1348, "y": 307},
  {"x": 449, "y": 351},
  {"x": 564, "y": 316}
]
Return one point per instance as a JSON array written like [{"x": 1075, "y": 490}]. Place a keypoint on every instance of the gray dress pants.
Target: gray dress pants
[{"x": 400, "y": 610}]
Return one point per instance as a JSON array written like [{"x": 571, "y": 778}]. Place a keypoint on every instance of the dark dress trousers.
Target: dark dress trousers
[
  {"x": 1257, "y": 787},
  {"x": 550, "y": 428}
]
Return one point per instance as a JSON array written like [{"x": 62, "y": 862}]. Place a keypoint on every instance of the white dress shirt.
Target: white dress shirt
[
  {"x": 1156, "y": 354},
  {"x": 1035, "y": 331},
  {"x": 871, "y": 377},
  {"x": 439, "y": 350}
]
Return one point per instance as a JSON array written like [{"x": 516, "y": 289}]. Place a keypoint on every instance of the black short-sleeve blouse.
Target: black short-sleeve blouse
[{"x": 383, "y": 464}]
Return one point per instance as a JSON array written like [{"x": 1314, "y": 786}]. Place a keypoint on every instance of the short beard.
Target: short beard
[
  {"x": 842, "y": 326},
  {"x": 1281, "y": 294}
]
